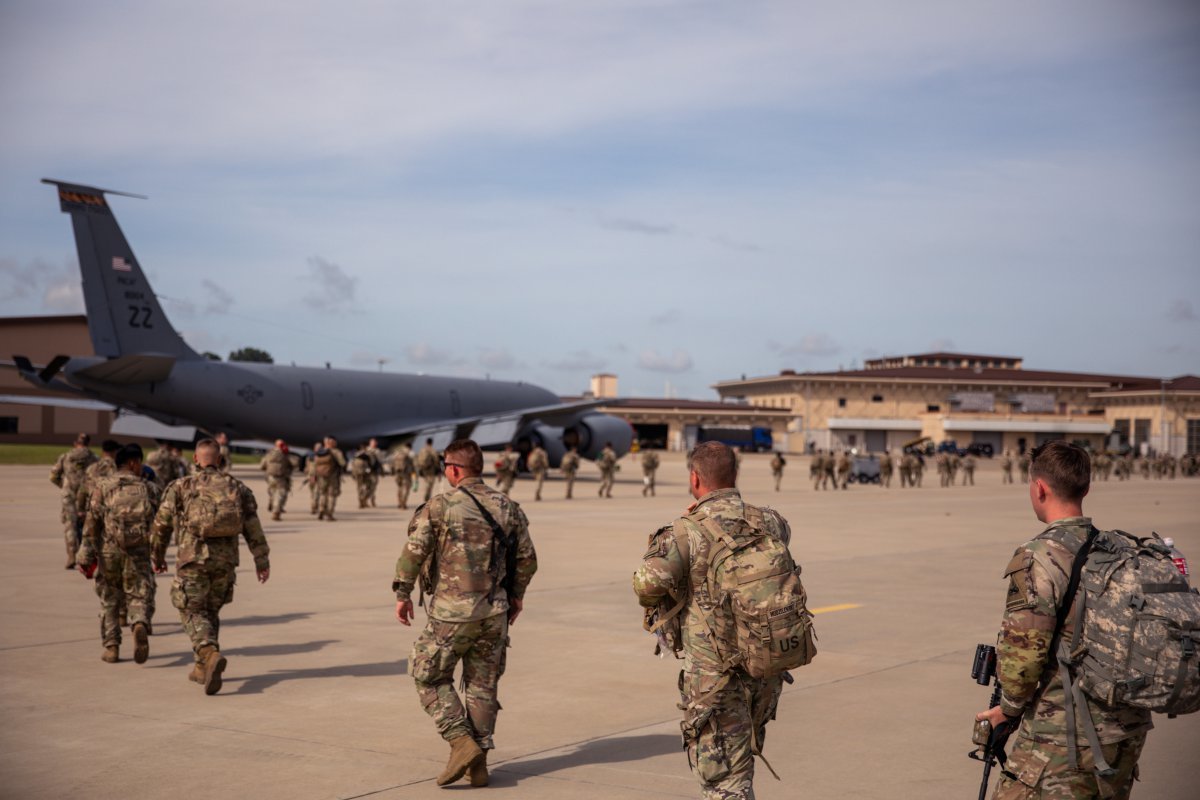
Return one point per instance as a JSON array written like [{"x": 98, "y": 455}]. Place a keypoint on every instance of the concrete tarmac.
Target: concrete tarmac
[{"x": 317, "y": 702}]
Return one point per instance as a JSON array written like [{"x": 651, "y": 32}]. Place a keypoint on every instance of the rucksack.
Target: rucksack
[
  {"x": 361, "y": 465},
  {"x": 753, "y": 575},
  {"x": 324, "y": 464},
  {"x": 277, "y": 464},
  {"x": 130, "y": 513},
  {"x": 1137, "y": 626},
  {"x": 216, "y": 507}
]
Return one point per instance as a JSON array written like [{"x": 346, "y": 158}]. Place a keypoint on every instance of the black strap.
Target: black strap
[
  {"x": 499, "y": 540},
  {"x": 1064, "y": 608}
]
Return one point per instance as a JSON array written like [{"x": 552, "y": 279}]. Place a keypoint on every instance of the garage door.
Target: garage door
[
  {"x": 993, "y": 438},
  {"x": 876, "y": 441}
]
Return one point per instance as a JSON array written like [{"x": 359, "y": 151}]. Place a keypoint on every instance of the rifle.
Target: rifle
[{"x": 989, "y": 741}]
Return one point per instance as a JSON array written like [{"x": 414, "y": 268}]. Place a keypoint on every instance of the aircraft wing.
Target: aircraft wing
[
  {"x": 490, "y": 431},
  {"x": 58, "y": 402}
]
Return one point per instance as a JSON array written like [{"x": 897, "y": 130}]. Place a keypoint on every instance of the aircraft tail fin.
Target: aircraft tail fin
[{"x": 123, "y": 313}]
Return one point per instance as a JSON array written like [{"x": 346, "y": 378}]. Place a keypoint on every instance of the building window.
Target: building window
[
  {"x": 876, "y": 398},
  {"x": 932, "y": 407},
  {"x": 841, "y": 402},
  {"x": 1193, "y": 436},
  {"x": 8, "y": 424},
  {"x": 1141, "y": 431}
]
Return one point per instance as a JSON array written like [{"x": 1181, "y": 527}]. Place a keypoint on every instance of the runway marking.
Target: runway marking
[{"x": 841, "y": 607}]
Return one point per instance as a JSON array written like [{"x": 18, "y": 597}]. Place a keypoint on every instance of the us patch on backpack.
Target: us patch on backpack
[{"x": 1139, "y": 642}]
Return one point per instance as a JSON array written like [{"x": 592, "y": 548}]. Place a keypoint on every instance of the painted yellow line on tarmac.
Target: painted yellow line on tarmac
[{"x": 842, "y": 607}]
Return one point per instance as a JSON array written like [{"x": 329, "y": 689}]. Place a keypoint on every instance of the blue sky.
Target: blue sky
[{"x": 677, "y": 192}]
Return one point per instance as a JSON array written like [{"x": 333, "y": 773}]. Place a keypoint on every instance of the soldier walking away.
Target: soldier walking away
[
  {"x": 843, "y": 470},
  {"x": 607, "y": 462},
  {"x": 404, "y": 468},
  {"x": 506, "y": 469},
  {"x": 1052, "y": 756},
  {"x": 471, "y": 551},
  {"x": 376, "y": 470},
  {"x": 116, "y": 538},
  {"x": 162, "y": 460},
  {"x": 1023, "y": 466},
  {"x": 730, "y": 684},
  {"x": 226, "y": 462},
  {"x": 328, "y": 464},
  {"x": 918, "y": 470},
  {"x": 830, "y": 464},
  {"x": 1006, "y": 467},
  {"x": 778, "y": 462},
  {"x": 968, "y": 467},
  {"x": 427, "y": 467},
  {"x": 569, "y": 467},
  {"x": 207, "y": 511},
  {"x": 942, "y": 461},
  {"x": 907, "y": 462},
  {"x": 67, "y": 474},
  {"x": 650, "y": 463},
  {"x": 278, "y": 466},
  {"x": 815, "y": 467},
  {"x": 885, "y": 469},
  {"x": 363, "y": 469},
  {"x": 310, "y": 477},
  {"x": 539, "y": 462}
]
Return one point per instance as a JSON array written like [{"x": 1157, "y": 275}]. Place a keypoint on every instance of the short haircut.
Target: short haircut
[
  {"x": 207, "y": 451},
  {"x": 466, "y": 454},
  {"x": 83, "y": 439},
  {"x": 110, "y": 445},
  {"x": 1065, "y": 467},
  {"x": 130, "y": 452},
  {"x": 715, "y": 464}
]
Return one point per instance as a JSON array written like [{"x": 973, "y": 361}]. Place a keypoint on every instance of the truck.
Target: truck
[{"x": 744, "y": 437}]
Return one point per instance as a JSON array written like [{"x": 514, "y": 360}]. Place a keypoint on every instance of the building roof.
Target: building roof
[
  {"x": 956, "y": 375},
  {"x": 944, "y": 356},
  {"x": 77, "y": 318},
  {"x": 682, "y": 405},
  {"x": 1183, "y": 383}
]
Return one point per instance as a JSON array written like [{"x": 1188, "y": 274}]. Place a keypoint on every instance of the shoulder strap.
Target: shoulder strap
[
  {"x": 1068, "y": 599},
  {"x": 500, "y": 541}
]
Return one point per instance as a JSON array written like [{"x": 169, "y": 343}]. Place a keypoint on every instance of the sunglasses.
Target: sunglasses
[{"x": 446, "y": 463}]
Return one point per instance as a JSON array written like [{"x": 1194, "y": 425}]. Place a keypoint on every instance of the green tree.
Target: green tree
[
  {"x": 210, "y": 355},
  {"x": 251, "y": 354}
]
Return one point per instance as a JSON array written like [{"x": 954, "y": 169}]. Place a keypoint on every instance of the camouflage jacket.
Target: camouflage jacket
[
  {"x": 174, "y": 517},
  {"x": 607, "y": 460},
  {"x": 664, "y": 575},
  {"x": 538, "y": 460},
  {"x": 277, "y": 461},
  {"x": 97, "y": 471},
  {"x": 570, "y": 463},
  {"x": 777, "y": 463},
  {"x": 68, "y": 471},
  {"x": 165, "y": 467},
  {"x": 1038, "y": 575},
  {"x": 402, "y": 461},
  {"x": 450, "y": 529},
  {"x": 427, "y": 462},
  {"x": 101, "y": 521},
  {"x": 649, "y": 461}
]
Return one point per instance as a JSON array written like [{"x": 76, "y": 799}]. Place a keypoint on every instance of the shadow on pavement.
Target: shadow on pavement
[
  {"x": 256, "y": 684},
  {"x": 615, "y": 750},
  {"x": 258, "y": 650},
  {"x": 278, "y": 619}
]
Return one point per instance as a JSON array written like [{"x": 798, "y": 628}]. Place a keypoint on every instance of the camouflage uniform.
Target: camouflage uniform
[
  {"x": 1023, "y": 461},
  {"x": 1038, "y": 575},
  {"x": 885, "y": 469},
  {"x": 116, "y": 533},
  {"x": 164, "y": 464},
  {"x": 725, "y": 712},
  {"x": 329, "y": 484},
  {"x": 506, "y": 471},
  {"x": 843, "y": 471},
  {"x": 777, "y": 464},
  {"x": 468, "y": 611},
  {"x": 608, "y": 470},
  {"x": 569, "y": 467},
  {"x": 364, "y": 468},
  {"x": 968, "y": 466},
  {"x": 816, "y": 469},
  {"x": 1006, "y": 467},
  {"x": 68, "y": 474},
  {"x": 830, "y": 465},
  {"x": 405, "y": 471},
  {"x": 918, "y": 471},
  {"x": 539, "y": 462},
  {"x": 943, "y": 469},
  {"x": 649, "y": 470},
  {"x": 205, "y": 568},
  {"x": 907, "y": 461},
  {"x": 427, "y": 468},
  {"x": 278, "y": 466}
]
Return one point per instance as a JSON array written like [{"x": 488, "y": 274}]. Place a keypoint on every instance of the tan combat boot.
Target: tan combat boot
[
  {"x": 111, "y": 655},
  {"x": 276, "y": 516},
  {"x": 197, "y": 673},
  {"x": 141, "y": 643},
  {"x": 478, "y": 772},
  {"x": 214, "y": 664},
  {"x": 464, "y": 752}
]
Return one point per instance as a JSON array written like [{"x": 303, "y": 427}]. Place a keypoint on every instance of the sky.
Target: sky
[{"x": 675, "y": 192}]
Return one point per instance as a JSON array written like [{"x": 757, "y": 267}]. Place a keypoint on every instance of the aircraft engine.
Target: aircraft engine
[{"x": 593, "y": 430}]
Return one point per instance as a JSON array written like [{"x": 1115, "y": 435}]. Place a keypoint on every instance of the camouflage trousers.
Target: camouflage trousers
[
  {"x": 430, "y": 482},
  {"x": 366, "y": 486},
  {"x": 505, "y": 481},
  {"x": 569, "y": 477},
  {"x": 1008, "y": 478},
  {"x": 404, "y": 485},
  {"x": 885, "y": 478},
  {"x": 540, "y": 477},
  {"x": 277, "y": 492},
  {"x": 1044, "y": 772},
  {"x": 124, "y": 583},
  {"x": 72, "y": 524},
  {"x": 480, "y": 645},
  {"x": 199, "y": 591},
  {"x": 606, "y": 483},
  {"x": 778, "y": 476},
  {"x": 720, "y": 730},
  {"x": 325, "y": 493},
  {"x": 648, "y": 483}
]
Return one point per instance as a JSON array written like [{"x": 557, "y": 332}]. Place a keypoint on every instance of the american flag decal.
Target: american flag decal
[{"x": 121, "y": 265}]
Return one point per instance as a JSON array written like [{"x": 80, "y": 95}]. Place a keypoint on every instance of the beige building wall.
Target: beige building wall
[{"x": 1164, "y": 417}]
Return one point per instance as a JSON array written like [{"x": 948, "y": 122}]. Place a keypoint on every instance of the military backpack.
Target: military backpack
[
  {"x": 129, "y": 513},
  {"x": 324, "y": 464},
  {"x": 215, "y": 509},
  {"x": 277, "y": 464}
]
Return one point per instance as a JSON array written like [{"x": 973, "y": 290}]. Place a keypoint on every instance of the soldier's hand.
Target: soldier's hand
[
  {"x": 160, "y": 567},
  {"x": 263, "y": 574},
  {"x": 404, "y": 611},
  {"x": 993, "y": 715},
  {"x": 515, "y": 607}
]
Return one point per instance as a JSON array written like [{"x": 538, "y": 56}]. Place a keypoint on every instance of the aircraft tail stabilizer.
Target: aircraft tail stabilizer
[{"x": 123, "y": 313}]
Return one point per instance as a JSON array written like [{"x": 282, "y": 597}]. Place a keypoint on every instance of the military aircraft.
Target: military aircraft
[{"x": 143, "y": 365}]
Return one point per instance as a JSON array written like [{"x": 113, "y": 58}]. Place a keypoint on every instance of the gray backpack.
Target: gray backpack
[{"x": 1136, "y": 639}]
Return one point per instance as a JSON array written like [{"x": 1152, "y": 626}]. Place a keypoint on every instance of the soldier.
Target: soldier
[
  {"x": 830, "y": 464},
  {"x": 475, "y": 595},
  {"x": 649, "y": 470},
  {"x": 182, "y": 468},
  {"x": 778, "y": 462},
  {"x": 376, "y": 471},
  {"x": 207, "y": 511},
  {"x": 885, "y": 469},
  {"x": 906, "y": 470},
  {"x": 816, "y": 469},
  {"x": 843, "y": 470},
  {"x": 607, "y": 462},
  {"x": 1032, "y": 690},
  {"x": 968, "y": 467},
  {"x": 725, "y": 710},
  {"x": 943, "y": 469},
  {"x": 539, "y": 462},
  {"x": 226, "y": 461},
  {"x": 363, "y": 469},
  {"x": 278, "y": 466},
  {"x": 918, "y": 469},
  {"x": 329, "y": 463},
  {"x": 506, "y": 469},
  {"x": 427, "y": 467},
  {"x": 68, "y": 474},
  {"x": 404, "y": 469},
  {"x": 1023, "y": 466},
  {"x": 570, "y": 466},
  {"x": 1006, "y": 467},
  {"x": 952, "y": 464},
  {"x": 310, "y": 477},
  {"x": 1144, "y": 467},
  {"x": 116, "y": 537},
  {"x": 162, "y": 461}
]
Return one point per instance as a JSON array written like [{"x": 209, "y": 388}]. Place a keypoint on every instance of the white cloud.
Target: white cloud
[
  {"x": 424, "y": 354},
  {"x": 57, "y": 288},
  {"x": 334, "y": 292},
  {"x": 497, "y": 358},
  {"x": 577, "y": 361},
  {"x": 678, "y": 361}
]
